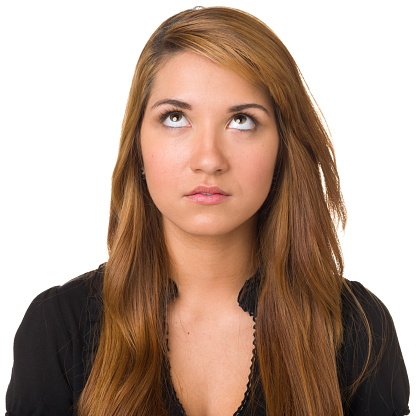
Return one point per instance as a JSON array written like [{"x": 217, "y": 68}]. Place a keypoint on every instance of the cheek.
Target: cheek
[
  {"x": 163, "y": 166},
  {"x": 157, "y": 167},
  {"x": 259, "y": 168}
]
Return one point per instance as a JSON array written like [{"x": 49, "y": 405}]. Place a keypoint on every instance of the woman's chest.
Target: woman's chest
[{"x": 211, "y": 363}]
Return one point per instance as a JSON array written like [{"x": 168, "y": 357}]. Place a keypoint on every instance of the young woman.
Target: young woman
[{"x": 224, "y": 291}]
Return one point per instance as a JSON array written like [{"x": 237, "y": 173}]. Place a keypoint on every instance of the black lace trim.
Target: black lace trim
[{"x": 251, "y": 377}]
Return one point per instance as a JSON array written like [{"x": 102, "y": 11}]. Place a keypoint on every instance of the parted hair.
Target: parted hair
[{"x": 299, "y": 322}]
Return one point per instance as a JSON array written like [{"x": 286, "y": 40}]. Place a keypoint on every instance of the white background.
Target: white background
[{"x": 65, "y": 74}]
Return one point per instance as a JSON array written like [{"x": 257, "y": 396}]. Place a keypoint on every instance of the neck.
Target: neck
[{"x": 211, "y": 270}]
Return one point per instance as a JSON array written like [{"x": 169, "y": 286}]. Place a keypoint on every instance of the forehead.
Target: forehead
[{"x": 188, "y": 75}]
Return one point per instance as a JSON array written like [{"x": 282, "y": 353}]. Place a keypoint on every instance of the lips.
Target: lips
[
  {"x": 207, "y": 195},
  {"x": 207, "y": 190}
]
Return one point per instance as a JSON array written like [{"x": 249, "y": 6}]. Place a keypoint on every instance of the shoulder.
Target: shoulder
[
  {"x": 371, "y": 367},
  {"x": 363, "y": 311},
  {"x": 50, "y": 347},
  {"x": 64, "y": 304},
  {"x": 73, "y": 295},
  {"x": 357, "y": 291},
  {"x": 75, "y": 290}
]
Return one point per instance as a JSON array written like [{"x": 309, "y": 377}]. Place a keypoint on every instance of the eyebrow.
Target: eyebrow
[
  {"x": 242, "y": 107},
  {"x": 176, "y": 103},
  {"x": 186, "y": 106}
]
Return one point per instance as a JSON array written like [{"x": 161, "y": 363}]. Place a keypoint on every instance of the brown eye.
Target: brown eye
[
  {"x": 240, "y": 119},
  {"x": 175, "y": 117},
  {"x": 242, "y": 122}
]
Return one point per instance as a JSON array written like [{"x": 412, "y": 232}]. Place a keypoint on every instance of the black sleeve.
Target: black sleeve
[
  {"x": 384, "y": 390},
  {"x": 49, "y": 353}
]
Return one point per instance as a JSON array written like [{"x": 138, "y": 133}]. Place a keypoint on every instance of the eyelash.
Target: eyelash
[{"x": 166, "y": 113}]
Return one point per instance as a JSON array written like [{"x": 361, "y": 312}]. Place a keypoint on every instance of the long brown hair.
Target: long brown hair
[{"x": 299, "y": 323}]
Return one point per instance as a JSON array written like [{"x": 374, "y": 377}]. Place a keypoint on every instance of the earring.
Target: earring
[{"x": 143, "y": 173}]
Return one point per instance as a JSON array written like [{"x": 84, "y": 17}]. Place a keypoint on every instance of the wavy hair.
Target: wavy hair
[{"x": 299, "y": 323}]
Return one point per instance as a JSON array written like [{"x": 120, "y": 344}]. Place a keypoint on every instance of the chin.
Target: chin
[
  {"x": 207, "y": 230},
  {"x": 211, "y": 227}
]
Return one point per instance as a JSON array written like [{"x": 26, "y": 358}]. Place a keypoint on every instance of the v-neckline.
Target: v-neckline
[
  {"x": 247, "y": 300},
  {"x": 179, "y": 410}
]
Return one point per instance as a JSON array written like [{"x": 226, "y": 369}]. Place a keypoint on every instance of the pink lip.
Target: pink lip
[{"x": 217, "y": 195}]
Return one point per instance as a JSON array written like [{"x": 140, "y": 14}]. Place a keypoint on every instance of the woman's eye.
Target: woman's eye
[
  {"x": 241, "y": 122},
  {"x": 175, "y": 119}
]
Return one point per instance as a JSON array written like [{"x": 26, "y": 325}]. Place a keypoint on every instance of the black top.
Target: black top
[{"x": 53, "y": 347}]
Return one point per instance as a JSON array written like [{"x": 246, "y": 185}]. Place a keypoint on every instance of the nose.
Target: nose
[{"x": 208, "y": 152}]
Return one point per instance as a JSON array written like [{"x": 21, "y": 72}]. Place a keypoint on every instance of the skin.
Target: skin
[{"x": 193, "y": 134}]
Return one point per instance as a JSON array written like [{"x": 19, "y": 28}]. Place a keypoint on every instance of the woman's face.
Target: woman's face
[{"x": 209, "y": 143}]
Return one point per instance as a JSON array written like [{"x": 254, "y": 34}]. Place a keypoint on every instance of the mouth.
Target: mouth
[
  {"x": 207, "y": 190},
  {"x": 207, "y": 195}
]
